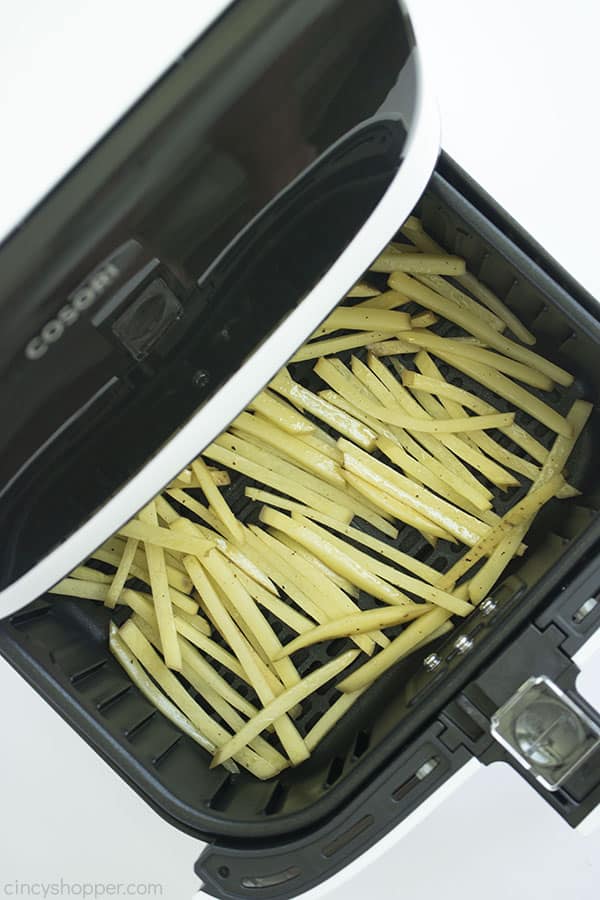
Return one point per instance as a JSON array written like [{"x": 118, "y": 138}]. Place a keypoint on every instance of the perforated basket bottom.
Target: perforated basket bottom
[{"x": 65, "y": 641}]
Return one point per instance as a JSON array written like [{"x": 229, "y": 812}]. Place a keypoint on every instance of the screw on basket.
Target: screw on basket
[
  {"x": 463, "y": 644},
  {"x": 488, "y": 607},
  {"x": 432, "y": 661},
  {"x": 585, "y": 609}
]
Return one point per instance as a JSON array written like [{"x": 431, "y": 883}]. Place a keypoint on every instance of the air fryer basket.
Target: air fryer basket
[{"x": 60, "y": 645}]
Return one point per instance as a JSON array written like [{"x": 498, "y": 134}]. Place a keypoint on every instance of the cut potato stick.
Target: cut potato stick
[
  {"x": 419, "y": 588},
  {"x": 217, "y": 501},
  {"x": 296, "y": 450},
  {"x": 274, "y": 710},
  {"x": 408, "y": 562},
  {"x": 186, "y": 479},
  {"x": 329, "y": 346},
  {"x": 286, "y": 731},
  {"x": 413, "y": 230},
  {"x": 123, "y": 573},
  {"x": 163, "y": 538},
  {"x": 250, "y": 614},
  {"x": 339, "y": 382},
  {"x": 233, "y": 553},
  {"x": 461, "y": 525},
  {"x": 281, "y": 413},
  {"x": 341, "y": 582},
  {"x": 517, "y": 434},
  {"x": 342, "y": 422},
  {"x": 111, "y": 552},
  {"x": 86, "y": 573},
  {"x": 233, "y": 460},
  {"x": 335, "y": 498},
  {"x": 387, "y": 300},
  {"x": 323, "y": 442},
  {"x": 495, "y": 565},
  {"x": 433, "y": 342},
  {"x": 391, "y": 348},
  {"x": 330, "y": 718},
  {"x": 455, "y": 296},
  {"x": 136, "y": 672},
  {"x": 431, "y": 300},
  {"x": 406, "y": 641},
  {"x": 427, "y": 263},
  {"x": 279, "y": 608},
  {"x": 448, "y": 449},
  {"x": 401, "y": 511},
  {"x": 503, "y": 386},
  {"x": 142, "y": 649},
  {"x": 361, "y": 318},
  {"x": 159, "y": 585},
  {"x": 331, "y": 599},
  {"x": 331, "y": 554},
  {"x": 423, "y": 320},
  {"x": 363, "y": 289},
  {"x": 359, "y": 623}
]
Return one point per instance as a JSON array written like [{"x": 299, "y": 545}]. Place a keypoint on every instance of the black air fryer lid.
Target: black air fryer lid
[{"x": 155, "y": 291}]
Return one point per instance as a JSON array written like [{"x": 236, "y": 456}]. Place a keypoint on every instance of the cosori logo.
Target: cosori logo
[{"x": 81, "y": 299}]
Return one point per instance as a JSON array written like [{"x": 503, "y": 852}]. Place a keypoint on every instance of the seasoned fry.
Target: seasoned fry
[
  {"x": 457, "y": 297},
  {"x": 122, "y": 573},
  {"x": 187, "y": 479},
  {"x": 111, "y": 552},
  {"x": 361, "y": 318},
  {"x": 387, "y": 300},
  {"x": 431, "y": 300},
  {"x": 341, "y": 582},
  {"x": 429, "y": 341},
  {"x": 217, "y": 501},
  {"x": 426, "y": 263},
  {"x": 159, "y": 585},
  {"x": 286, "y": 731},
  {"x": 281, "y": 413},
  {"x": 156, "y": 536},
  {"x": 283, "y": 703},
  {"x": 413, "y": 230},
  {"x": 329, "y": 346},
  {"x": 307, "y": 457},
  {"x": 330, "y": 718},
  {"x": 339, "y": 382},
  {"x": 363, "y": 289}
]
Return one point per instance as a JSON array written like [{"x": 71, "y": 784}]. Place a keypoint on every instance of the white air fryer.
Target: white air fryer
[{"x": 148, "y": 297}]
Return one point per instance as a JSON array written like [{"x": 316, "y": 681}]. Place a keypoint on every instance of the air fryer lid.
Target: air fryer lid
[{"x": 210, "y": 222}]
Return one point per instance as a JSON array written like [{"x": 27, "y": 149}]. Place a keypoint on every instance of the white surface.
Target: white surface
[{"x": 510, "y": 77}]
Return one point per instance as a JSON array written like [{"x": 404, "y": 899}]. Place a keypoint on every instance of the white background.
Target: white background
[{"x": 517, "y": 86}]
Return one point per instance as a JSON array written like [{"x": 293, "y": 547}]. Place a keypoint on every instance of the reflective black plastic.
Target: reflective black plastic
[{"x": 165, "y": 259}]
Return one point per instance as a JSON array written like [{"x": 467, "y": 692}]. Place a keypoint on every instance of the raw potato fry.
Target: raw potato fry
[
  {"x": 426, "y": 263},
  {"x": 421, "y": 589},
  {"x": 406, "y": 641},
  {"x": 330, "y": 718},
  {"x": 462, "y": 300},
  {"x": 361, "y": 318},
  {"x": 413, "y": 229},
  {"x": 341, "y": 582},
  {"x": 186, "y": 479},
  {"x": 282, "y": 414},
  {"x": 330, "y": 346},
  {"x": 332, "y": 376},
  {"x": 279, "y": 608},
  {"x": 322, "y": 441},
  {"x": 337, "y": 560},
  {"x": 280, "y": 483},
  {"x": 86, "y": 573},
  {"x": 430, "y": 300},
  {"x": 128, "y": 661},
  {"x": 387, "y": 300},
  {"x": 331, "y": 600},
  {"x": 159, "y": 585},
  {"x": 283, "y": 703},
  {"x": 307, "y": 457},
  {"x": 521, "y": 437},
  {"x": 492, "y": 570},
  {"x": 286, "y": 731},
  {"x": 232, "y": 552},
  {"x": 461, "y": 525},
  {"x": 122, "y": 573},
  {"x": 423, "y": 320},
  {"x": 111, "y": 552},
  {"x": 363, "y": 289},
  {"x": 155, "y": 536},
  {"x": 433, "y": 342},
  {"x": 342, "y": 422},
  {"x": 503, "y": 386},
  {"x": 217, "y": 501},
  {"x": 391, "y": 348},
  {"x": 408, "y": 562}
]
